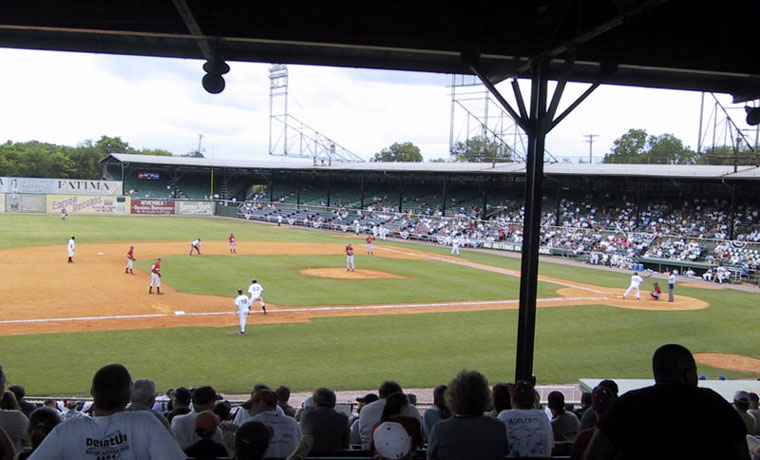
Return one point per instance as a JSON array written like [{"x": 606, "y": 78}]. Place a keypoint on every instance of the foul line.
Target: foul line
[
  {"x": 503, "y": 271},
  {"x": 299, "y": 310}
]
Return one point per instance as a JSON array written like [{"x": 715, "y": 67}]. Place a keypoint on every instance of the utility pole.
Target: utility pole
[{"x": 590, "y": 146}]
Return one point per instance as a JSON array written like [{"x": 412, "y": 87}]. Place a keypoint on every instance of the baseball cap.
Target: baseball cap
[
  {"x": 265, "y": 395},
  {"x": 741, "y": 396},
  {"x": 182, "y": 395},
  {"x": 206, "y": 423},
  {"x": 522, "y": 391},
  {"x": 602, "y": 398},
  {"x": 368, "y": 398},
  {"x": 392, "y": 441}
]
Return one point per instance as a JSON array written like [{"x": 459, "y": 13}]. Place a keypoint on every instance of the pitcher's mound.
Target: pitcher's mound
[
  {"x": 730, "y": 362},
  {"x": 341, "y": 273}
]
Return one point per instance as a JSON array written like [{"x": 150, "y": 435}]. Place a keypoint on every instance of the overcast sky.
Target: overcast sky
[{"x": 66, "y": 98}]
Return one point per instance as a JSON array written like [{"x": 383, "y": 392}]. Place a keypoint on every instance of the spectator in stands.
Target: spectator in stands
[
  {"x": 741, "y": 404},
  {"x": 602, "y": 398},
  {"x": 354, "y": 436},
  {"x": 528, "y": 429},
  {"x": 585, "y": 405},
  {"x": 26, "y": 407},
  {"x": 206, "y": 423},
  {"x": 252, "y": 441},
  {"x": 501, "y": 398},
  {"x": 8, "y": 401},
  {"x": 469, "y": 433},
  {"x": 395, "y": 411},
  {"x": 7, "y": 449},
  {"x": 286, "y": 431},
  {"x": 672, "y": 419},
  {"x": 564, "y": 424},
  {"x": 143, "y": 397},
  {"x": 283, "y": 395},
  {"x": 371, "y": 413},
  {"x": 439, "y": 411},
  {"x": 754, "y": 411},
  {"x": 224, "y": 410},
  {"x": 180, "y": 403},
  {"x": 589, "y": 417},
  {"x": 14, "y": 422},
  {"x": 41, "y": 423},
  {"x": 112, "y": 432},
  {"x": 244, "y": 413},
  {"x": 328, "y": 427},
  {"x": 183, "y": 426}
]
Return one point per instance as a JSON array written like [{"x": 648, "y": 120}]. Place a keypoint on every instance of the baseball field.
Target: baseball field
[{"x": 411, "y": 312}]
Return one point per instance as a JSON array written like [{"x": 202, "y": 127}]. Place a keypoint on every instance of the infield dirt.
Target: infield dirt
[{"x": 42, "y": 293}]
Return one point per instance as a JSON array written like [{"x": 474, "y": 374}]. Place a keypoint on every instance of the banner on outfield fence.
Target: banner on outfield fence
[
  {"x": 20, "y": 185},
  {"x": 24, "y": 203},
  {"x": 2, "y": 202},
  {"x": 512, "y": 247},
  {"x": 195, "y": 208},
  {"x": 77, "y": 204},
  {"x": 156, "y": 207}
]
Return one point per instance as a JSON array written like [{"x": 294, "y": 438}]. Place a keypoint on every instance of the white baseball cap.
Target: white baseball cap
[{"x": 392, "y": 441}]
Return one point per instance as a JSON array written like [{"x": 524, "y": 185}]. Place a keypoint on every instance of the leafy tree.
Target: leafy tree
[
  {"x": 481, "y": 149},
  {"x": 399, "y": 152},
  {"x": 636, "y": 146},
  {"x": 725, "y": 155}
]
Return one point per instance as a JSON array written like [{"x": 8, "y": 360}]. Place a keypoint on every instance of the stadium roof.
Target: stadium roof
[
  {"x": 682, "y": 44},
  {"x": 661, "y": 171}
]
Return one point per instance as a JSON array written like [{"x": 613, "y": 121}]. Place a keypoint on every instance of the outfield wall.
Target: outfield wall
[
  {"x": 24, "y": 203},
  {"x": 29, "y": 185}
]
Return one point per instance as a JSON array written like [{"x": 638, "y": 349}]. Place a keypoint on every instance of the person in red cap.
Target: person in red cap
[
  {"x": 130, "y": 261},
  {"x": 155, "y": 277},
  {"x": 205, "y": 427}
]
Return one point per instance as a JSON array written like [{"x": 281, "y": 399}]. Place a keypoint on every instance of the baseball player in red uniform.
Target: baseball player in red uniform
[
  {"x": 370, "y": 238},
  {"x": 64, "y": 213},
  {"x": 233, "y": 245},
  {"x": 350, "y": 258},
  {"x": 130, "y": 260},
  {"x": 155, "y": 277}
]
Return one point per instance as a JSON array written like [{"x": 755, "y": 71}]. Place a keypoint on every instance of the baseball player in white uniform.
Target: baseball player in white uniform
[
  {"x": 455, "y": 242},
  {"x": 255, "y": 290},
  {"x": 243, "y": 304},
  {"x": 70, "y": 249},
  {"x": 195, "y": 245},
  {"x": 636, "y": 281}
]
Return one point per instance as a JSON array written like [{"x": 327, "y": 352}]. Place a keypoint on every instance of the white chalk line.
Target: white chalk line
[
  {"x": 503, "y": 271},
  {"x": 299, "y": 310}
]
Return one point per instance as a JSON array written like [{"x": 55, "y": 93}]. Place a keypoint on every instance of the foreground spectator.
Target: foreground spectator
[
  {"x": 469, "y": 433},
  {"x": 754, "y": 411},
  {"x": 41, "y": 423},
  {"x": 528, "y": 429},
  {"x": 355, "y": 436},
  {"x": 26, "y": 407},
  {"x": 7, "y": 450},
  {"x": 283, "y": 396},
  {"x": 286, "y": 432},
  {"x": 589, "y": 417},
  {"x": 371, "y": 413},
  {"x": 564, "y": 424},
  {"x": 602, "y": 398},
  {"x": 14, "y": 422},
  {"x": 741, "y": 404},
  {"x": 206, "y": 423},
  {"x": 501, "y": 398},
  {"x": 180, "y": 403},
  {"x": 143, "y": 398},
  {"x": 328, "y": 427},
  {"x": 394, "y": 412},
  {"x": 252, "y": 441},
  {"x": 111, "y": 432},
  {"x": 183, "y": 426},
  {"x": 438, "y": 412},
  {"x": 674, "y": 419}
]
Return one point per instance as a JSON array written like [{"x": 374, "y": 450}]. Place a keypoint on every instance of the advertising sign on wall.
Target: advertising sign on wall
[
  {"x": 196, "y": 208},
  {"x": 160, "y": 207},
  {"x": 20, "y": 185},
  {"x": 2, "y": 202},
  {"x": 87, "y": 204},
  {"x": 24, "y": 203}
]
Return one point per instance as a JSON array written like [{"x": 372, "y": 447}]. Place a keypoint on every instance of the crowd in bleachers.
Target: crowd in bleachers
[{"x": 468, "y": 420}]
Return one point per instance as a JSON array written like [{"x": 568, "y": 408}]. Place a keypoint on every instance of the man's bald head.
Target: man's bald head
[{"x": 673, "y": 363}]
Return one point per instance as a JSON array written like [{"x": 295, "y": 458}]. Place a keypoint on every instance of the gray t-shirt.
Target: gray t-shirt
[{"x": 482, "y": 438}]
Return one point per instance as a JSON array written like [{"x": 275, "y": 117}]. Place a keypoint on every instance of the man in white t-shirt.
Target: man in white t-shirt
[
  {"x": 243, "y": 305},
  {"x": 285, "y": 430},
  {"x": 183, "y": 426},
  {"x": 112, "y": 432},
  {"x": 371, "y": 413},
  {"x": 636, "y": 281}
]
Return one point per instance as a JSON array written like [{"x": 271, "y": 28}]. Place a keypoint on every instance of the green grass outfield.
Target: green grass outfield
[{"x": 418, "y": 350}]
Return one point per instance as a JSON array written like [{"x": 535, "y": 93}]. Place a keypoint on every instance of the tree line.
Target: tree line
[{"x": 40, "y": 159}]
